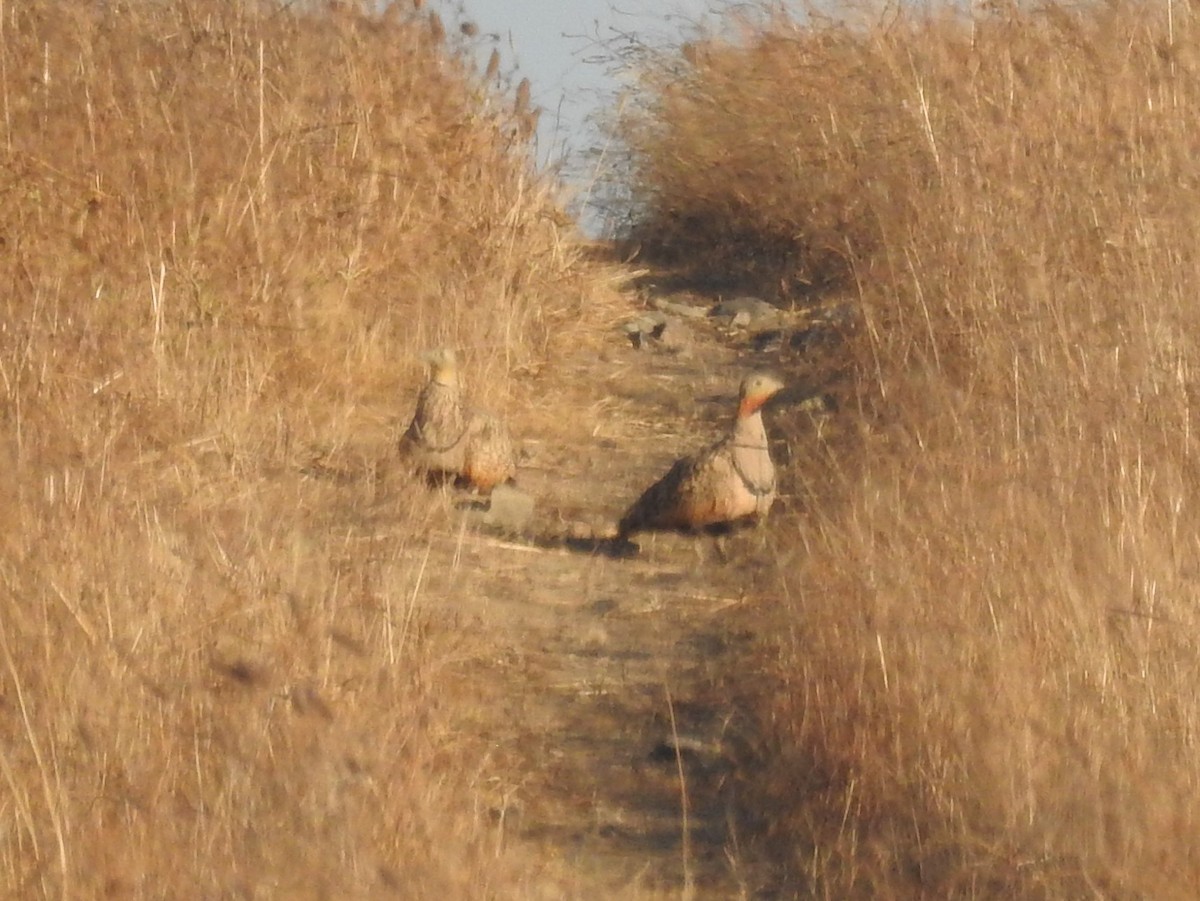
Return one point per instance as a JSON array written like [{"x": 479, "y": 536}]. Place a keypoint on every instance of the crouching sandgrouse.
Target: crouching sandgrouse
[
  {"x": 730, "y": 481},
  {"x": 448, "y": 440}
]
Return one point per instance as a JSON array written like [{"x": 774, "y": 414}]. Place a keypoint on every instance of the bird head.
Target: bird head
[
  {"x": 443, "y": 365},
  {"x": 757, "y": 389}
]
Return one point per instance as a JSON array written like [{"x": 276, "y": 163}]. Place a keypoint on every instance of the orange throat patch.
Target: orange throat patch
[{"x": 750, "y": 405}]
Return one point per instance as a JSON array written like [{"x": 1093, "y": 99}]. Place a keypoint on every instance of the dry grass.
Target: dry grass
[
  {"x": 990, "y": 685},
  {"x": 225, "y": 230}
]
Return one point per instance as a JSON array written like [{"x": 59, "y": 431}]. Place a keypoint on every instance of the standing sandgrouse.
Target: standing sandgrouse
[
  {"x": 733, "y": 479},
  {"x": 447, "y": 439}
]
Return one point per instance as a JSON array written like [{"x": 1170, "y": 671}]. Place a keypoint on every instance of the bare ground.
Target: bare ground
[{"x": 607, "y": 693}]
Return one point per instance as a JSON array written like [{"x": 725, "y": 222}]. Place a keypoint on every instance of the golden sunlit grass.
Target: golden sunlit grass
[
  {"x": 226, "y": 229},
  {"x": 990, "y": 688}
]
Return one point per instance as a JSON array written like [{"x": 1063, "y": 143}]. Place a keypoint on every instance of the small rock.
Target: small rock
[
  {"x": 647, "y": 322},
  {"x": 674, "y": 336},
  {"x": 746, "y": 312},
  {"x": 655, "y": 331},
  {"x": 642, "y": 329},
  {"x": 686, "y": 310},
  {"x": 510, "y": 509}
]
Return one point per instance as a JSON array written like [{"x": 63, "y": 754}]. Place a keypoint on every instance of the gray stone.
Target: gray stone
[
  {"x": 674, "y": 336},
  {"x": 652, "y": 321},
  {"x": 656, "y": 331},
  {"x": 510, "y": 509},
  {"x": 686, "y": 310},
  {"x": 746, "y": 312},
  {"x": 642, "y": 329}
]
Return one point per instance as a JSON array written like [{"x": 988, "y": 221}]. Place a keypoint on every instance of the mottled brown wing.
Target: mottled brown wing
[
  {"x": 435, "y": 439},
  {"x": 712, "y": 492},
  {"x": 681, "y": 499}
]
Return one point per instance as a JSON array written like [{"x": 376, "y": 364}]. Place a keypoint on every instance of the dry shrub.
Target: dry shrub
[
  {"x": 226, "y": 229},
  {"x": 990, "y": 685},
  {"x": 740, "y": 166}
]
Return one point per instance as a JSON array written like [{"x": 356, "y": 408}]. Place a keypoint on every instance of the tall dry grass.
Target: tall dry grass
[
  {"x": 989, "y": 685},
  {"x": 225, "y": 231}
]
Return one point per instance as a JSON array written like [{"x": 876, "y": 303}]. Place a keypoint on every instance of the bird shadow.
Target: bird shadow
[
  {"x": 618, "y": 548},
  {"x": 613, "y": 548}
]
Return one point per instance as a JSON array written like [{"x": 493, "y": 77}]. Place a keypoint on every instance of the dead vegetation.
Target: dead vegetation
[
  {"x": 226, "y": 231},
  {"x": 988, "y": 684}
]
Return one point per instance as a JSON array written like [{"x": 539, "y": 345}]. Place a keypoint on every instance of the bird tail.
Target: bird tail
[{"x": 641, "y": 515}]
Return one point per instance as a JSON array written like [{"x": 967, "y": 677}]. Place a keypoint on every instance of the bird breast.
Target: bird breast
[
  {"x": 752, "y": 463},
  {"x": 435, "y": 437},
  {"x": 438, "y": 422}
]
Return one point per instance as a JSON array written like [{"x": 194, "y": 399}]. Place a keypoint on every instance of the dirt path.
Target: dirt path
[{"x": 607, "y": 697}]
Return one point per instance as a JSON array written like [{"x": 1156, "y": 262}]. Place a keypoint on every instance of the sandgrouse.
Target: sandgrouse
[
  {"x": 446, "y": 439},
  {"x": 732, "y": 480}
]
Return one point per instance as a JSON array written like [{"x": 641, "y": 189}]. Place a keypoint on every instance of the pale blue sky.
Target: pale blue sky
[{"x": 560, "y": 46}]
